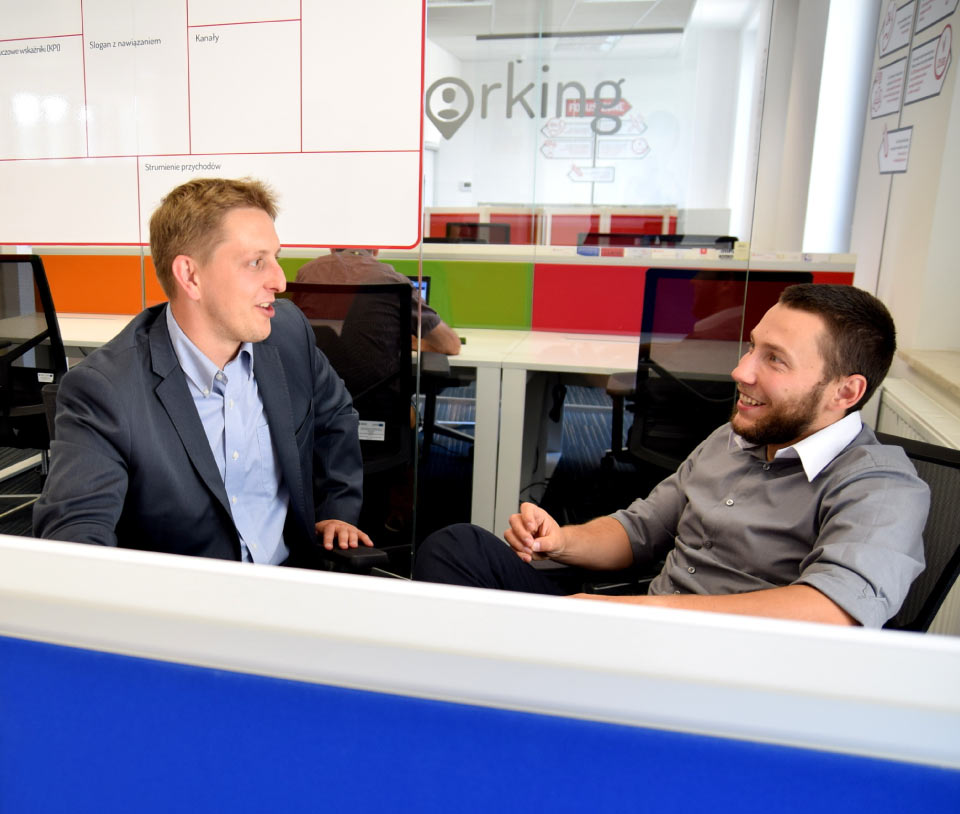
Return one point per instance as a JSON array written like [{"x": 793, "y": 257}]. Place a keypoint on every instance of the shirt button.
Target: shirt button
[
  {"x": 233, "y": 499},
  {"x": 766, "y": 467},
  {"x": 206, "y": 392},
  {"x": 691, "y": 569},
  {"x": 729, "y": 501},
  {"x": 235, "y": 455},
  {"x": 219, "y": 377},
  {"x": 707, "y": 544},
  {"x": 231, "y": 403}
]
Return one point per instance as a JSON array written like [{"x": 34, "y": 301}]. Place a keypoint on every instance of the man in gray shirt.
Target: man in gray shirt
[{"x": 792, "y": 510}]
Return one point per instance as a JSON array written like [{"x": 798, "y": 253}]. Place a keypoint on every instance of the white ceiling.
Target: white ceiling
[{"x": 454, "y": 25}]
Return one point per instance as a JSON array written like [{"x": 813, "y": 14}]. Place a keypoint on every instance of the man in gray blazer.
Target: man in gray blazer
[{"x": 211, "y": 426}]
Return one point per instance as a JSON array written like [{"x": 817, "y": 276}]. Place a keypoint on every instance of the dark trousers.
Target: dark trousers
[{"x": 464, "y": 554}]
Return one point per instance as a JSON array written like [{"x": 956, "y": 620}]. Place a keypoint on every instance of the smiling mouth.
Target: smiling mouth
[{"x": 749, "y": 402}]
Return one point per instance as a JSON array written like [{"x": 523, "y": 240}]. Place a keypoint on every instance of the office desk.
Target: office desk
[
  {"x": 90, "y": 330},
  {"x": 485, "y": 350},
  {"x": 525, "y": 397}
]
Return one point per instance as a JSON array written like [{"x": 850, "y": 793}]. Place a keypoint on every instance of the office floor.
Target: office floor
[
  {"x": 27, "y": 482},
  {"x": 578, "y": 490}
]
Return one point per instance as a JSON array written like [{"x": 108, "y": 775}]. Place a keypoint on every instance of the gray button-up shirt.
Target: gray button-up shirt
[{"x": 843, "y": 517}]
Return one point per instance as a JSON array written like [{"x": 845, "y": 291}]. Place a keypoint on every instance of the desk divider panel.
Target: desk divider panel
[
  {"x": 94, "y": 283},
  {"x": 93, "y": 731},
  {"x": 588, "y": 298},
  {"x": 477, "y": 294},
  {"x": 581, "y": 297}
]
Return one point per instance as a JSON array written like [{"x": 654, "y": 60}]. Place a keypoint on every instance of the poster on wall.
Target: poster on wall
[
  {"x": 894, "y": 153},
  {"x": 106, "y": 105},
  {"x": 887, "y": 88},
  {"x": 929, "y": 63},
  {"x": 895, "y": 29},
  {"x": 931, "y": 12}
]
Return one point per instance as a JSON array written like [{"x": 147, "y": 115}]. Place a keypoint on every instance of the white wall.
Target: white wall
[{"x": 686, "y": 101}]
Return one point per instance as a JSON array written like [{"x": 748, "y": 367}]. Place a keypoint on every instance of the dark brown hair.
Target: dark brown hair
[{"x": 860, "y": 336}]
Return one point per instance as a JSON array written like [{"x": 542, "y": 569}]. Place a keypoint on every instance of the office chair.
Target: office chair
[
  {"x": 940, "y": 469},
  {"x": 364, "y": 331},
  {"x": 31, "y": 354},
  {"x": 435, "y": 377},
  {"x": 692, "y": 327}
]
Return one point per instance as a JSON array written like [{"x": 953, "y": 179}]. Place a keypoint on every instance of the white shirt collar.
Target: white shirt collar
[{"x": 817, "y": 450}]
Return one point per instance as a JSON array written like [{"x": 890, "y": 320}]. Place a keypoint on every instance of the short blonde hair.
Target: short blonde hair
[{"x": 189, "y": 219}]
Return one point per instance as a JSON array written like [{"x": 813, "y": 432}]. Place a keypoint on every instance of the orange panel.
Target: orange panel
[
  {"x": 154, "y": 293},
  {"x": 94, "y": 284}
]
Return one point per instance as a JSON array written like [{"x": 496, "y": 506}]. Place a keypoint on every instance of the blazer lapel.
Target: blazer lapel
[
  {"x": 174, "y": 395},
  {"x": 272, "y": 384}
]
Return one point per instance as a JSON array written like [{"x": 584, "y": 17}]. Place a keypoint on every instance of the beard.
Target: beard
[{"x": 783, "y": 423}]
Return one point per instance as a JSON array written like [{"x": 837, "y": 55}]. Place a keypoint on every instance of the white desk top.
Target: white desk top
[
  {"x": 90, "y": 330},
  {"x": 574, "y": 352},
  {"x": 485, "y": 346}
]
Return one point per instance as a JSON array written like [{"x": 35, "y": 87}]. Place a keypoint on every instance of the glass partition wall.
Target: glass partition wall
[
  {"x": 589, "y": 168},
  {"x": 580, "y": 158}
]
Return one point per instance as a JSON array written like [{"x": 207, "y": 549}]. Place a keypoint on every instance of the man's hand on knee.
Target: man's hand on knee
[{"x": 534, "y": 534}]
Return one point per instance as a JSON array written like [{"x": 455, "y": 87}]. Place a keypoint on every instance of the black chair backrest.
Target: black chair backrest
[
  {"x": 940, "y": 469},
  {"x": 364, "y": 330},
  {"x": 31, "y": 350}
]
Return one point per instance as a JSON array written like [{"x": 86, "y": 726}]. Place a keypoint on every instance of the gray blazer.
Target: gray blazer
[{"x": 132, "y": 467}]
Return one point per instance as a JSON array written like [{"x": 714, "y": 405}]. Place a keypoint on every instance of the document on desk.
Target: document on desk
[{"x": 105, "y": 106}]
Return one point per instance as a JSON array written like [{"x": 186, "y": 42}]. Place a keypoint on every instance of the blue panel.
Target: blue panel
[{"x": 87, "y": 731}]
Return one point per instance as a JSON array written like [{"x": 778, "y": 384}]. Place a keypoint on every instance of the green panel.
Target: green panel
[
  {"x": 472, "y": 294},
  {"x": 466, "y": 294},
  {"x": 291, "y": 265}
]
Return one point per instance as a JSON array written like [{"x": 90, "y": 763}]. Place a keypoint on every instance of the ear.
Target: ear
[
  {"x": 185, "y": 275},
  {"x": 849, "y": 391}
]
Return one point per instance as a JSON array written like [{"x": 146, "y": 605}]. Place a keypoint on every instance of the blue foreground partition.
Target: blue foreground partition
[{"x": 140, "y": 682}]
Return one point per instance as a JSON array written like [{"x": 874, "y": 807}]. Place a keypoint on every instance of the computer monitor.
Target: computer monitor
[
  {"x": 721, "y": 242},
  {"x": 422, "y": 284},
  {"x": 477, "y": 232}
]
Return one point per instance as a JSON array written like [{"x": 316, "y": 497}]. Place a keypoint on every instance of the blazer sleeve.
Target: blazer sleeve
[{"x": 85, "y": 489}]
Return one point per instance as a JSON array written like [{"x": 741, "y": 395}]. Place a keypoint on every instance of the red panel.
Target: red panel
[
  {"x": 522, "y": 226},
  {"x": 591, "y": 299},
  {"x": 835, "y": 277},
  {"x": 637, "y": 224},
  {"x": 565, "y": 229}
]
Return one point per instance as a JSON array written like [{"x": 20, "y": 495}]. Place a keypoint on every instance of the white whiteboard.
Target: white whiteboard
[{"x": 106, "y": 105}]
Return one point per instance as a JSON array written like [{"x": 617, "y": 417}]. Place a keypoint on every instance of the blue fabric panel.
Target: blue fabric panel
[{"x": 86, "y": 731}]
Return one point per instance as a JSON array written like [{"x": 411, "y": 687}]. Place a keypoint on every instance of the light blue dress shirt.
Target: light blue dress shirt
[{"x": 229, "y": 404}]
